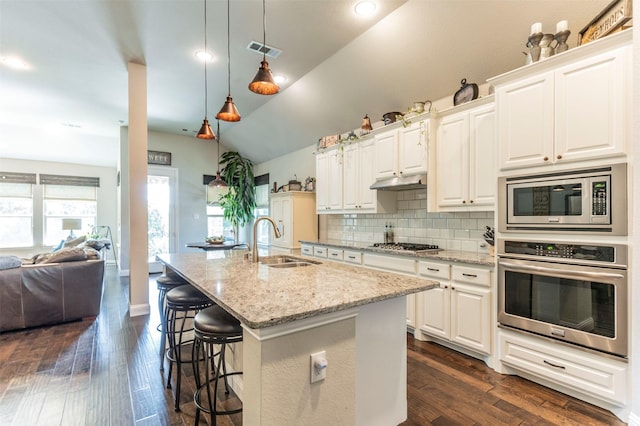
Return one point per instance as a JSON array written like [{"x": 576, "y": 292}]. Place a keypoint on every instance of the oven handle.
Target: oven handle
[{"x": 554, "y": 271}]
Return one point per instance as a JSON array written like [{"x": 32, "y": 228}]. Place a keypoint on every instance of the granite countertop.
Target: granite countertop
[
  {"x": 261, "y": 296},
  {"x": 446, "y": 255}
]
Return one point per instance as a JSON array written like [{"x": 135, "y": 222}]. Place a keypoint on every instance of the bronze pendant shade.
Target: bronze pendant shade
[
  {"x": 205, "y": 131},
  {"x": 263, "y": 83},
  {"x": 228, "y": 112}
]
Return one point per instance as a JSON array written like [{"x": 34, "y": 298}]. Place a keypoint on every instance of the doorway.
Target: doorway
[{"x": 161, "y": 209}]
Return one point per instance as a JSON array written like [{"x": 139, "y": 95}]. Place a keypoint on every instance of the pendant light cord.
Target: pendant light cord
[
  {"x": 205, "y": 61},
  {"x": 218, "y": 142},
  {"x": 264, "y": 30},
  {"x": 229, "y": 46}
]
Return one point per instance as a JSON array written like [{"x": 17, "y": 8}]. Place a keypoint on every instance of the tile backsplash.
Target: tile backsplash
[{"x": 413, "y": 224}]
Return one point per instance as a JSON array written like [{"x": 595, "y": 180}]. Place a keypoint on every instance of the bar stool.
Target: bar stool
[
  {"x": 165, "y": 283},
  {"x": 182, "y": 304},
  {"x": 213, "y": 326}
]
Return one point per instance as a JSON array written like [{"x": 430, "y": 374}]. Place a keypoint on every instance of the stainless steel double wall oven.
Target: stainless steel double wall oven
[{"x": 558, "y": 282}]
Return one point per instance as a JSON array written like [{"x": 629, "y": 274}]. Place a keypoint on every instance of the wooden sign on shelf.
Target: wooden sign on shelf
[{"x": 612, "y": 18}]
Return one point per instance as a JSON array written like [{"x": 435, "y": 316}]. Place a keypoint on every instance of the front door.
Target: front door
[{"x": 161, "y": 207}]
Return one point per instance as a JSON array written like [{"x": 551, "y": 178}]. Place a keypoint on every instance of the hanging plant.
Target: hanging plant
[{"x": 239, "y": 203}]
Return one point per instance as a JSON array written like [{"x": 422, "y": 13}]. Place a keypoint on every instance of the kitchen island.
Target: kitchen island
[{"x": 356, "y": 315}]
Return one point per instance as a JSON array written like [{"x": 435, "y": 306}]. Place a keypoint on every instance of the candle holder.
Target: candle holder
[
  {"x": 561, "y": 38},
  {"x": 534, "y": 46}
]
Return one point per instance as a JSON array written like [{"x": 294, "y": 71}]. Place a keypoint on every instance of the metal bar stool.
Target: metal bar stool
[
  {"x": 182, "y": 304},
  {"x": 213, "y": 326},
  {"x": 165, "y": 283}
]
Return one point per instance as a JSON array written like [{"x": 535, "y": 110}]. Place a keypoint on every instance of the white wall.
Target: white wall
[
  {"x": 301, "y": 163},
  {"x": 107, "y": 206}
]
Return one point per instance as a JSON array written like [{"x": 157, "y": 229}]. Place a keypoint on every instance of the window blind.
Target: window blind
[
  {"x": 11, "y": 177},
  {"x": 69, "y": 180}
]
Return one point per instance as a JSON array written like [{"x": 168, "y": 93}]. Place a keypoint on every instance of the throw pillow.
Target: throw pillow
[
  {"x": 75, "y": 242},
  {"x": 67, "y": 254},
  {"x": 9, "y": 262},
  {"x": 59, "y": 246},
  {"x": 91, "y": 253}
]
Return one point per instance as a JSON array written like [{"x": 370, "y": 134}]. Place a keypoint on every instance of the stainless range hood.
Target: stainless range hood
[{"x": 401, "y": 183}]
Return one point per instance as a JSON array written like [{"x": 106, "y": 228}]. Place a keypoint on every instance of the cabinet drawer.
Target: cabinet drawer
[
  {"x": 352, "y": 257},
  {"x": 439, "y": 271},
  {"x": 334, "y": 254},
  {"x": 391, "y": 263},
  {"x": 320, "y": 251},
  {"x": 307, "y": 250},
  {"x": 600, "y": 377},
  {"x": 471, "y": 275}
]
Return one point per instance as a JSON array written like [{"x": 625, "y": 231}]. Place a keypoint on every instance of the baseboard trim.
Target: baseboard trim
[{"x": 138, "y": 310}]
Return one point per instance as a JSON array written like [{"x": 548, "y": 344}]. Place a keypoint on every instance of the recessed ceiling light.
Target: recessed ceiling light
[
  {"x": 14, "y": 62},
  {"x": 279, "y": 79},
  {"x": 204, "y": 56},
  {"x": 365, "y": 8}
]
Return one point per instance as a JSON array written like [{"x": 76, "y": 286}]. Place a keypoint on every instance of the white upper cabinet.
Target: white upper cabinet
[
  {"x": 359, "y": 175},
  {"x": 570, "y": 107},
  {"x": 329, "y": 182},
  {"x": 402, "y": 152},
  {"x": 466, "y": 146}
]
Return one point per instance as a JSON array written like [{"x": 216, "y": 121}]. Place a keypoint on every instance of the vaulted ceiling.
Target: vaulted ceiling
[{"x": 70, "y": 101}]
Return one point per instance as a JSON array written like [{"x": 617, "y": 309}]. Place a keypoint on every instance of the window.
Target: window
[
  {"x": 16, "y": 209},
  {"x": 68, "y": 197},
  {"x": 262, "y": 208},
  {"x": 216, "y": 225}
]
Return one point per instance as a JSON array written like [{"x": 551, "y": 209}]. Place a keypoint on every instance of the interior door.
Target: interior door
[{"x": 161, "y": 208}]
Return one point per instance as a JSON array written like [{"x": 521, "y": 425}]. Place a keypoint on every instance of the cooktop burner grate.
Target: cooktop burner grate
[{"x": 407, "y": 247}]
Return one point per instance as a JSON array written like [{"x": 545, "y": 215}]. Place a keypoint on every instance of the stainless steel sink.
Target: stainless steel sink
[
  {"x": 286, "y": 261},
  {"x": 289, "y": 265}
]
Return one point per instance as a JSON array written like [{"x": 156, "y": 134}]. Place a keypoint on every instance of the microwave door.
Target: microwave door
[{"x": 548, "y": 202}]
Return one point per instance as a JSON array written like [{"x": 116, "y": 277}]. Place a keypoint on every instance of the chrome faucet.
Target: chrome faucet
[{"x": 254, "y": 257}]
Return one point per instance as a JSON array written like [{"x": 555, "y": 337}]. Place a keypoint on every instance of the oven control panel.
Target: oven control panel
[{"x": 587, "y": 252}]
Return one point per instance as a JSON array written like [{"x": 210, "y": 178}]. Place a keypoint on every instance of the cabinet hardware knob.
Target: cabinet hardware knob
[
  {"x": 433, "y": 269},
  {"x": 559, "y": 157},
  {"x": 464, "y": 201},
  {"x": 446, "y": 286},
  {"x": 471, "y": 201},
  {"x": 469, "y": 275},
  {"x": 546, "y": 158}
]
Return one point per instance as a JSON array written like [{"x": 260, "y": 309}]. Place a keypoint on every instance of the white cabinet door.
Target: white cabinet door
[
  {"x": 413, "y": 149},
  {"x": 591, "y": 108},
  {"x": 453, "y": 160},
  {"x": 471, "y": 317},
  {"x": 335, "y": 180},
  {"x": 351, "y": 169},
  {"x": 525, "y": 117},
  {"x": 367, "y": 197},
  {"x": 280, "y": 211},
  {"x": 329, "y": 182},
  {"x": 411, "y": 311},
  {"x": 322, "y": 182},
  {"x": 436, "y": 312},
  {"x": 482, "y": 156},
  {"x": 386, "y": 154}
]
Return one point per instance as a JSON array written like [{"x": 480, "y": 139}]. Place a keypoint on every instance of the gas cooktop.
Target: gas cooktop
[{"x": 408, "y": 247}]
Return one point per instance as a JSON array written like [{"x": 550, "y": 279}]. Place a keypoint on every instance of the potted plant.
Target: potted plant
[{"x": 239, "y": 202}]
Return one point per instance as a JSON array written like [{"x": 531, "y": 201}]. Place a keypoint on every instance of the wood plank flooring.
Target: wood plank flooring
[{"x": 107, "y": 372}]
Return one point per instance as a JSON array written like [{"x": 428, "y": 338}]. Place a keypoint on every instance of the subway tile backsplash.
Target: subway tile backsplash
[{"x": 413, "y": 224}]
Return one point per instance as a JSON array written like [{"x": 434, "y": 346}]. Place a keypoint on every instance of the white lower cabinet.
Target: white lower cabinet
[
  {"x": 459, "y": 310},
  {"x": 594, "y": 375}
]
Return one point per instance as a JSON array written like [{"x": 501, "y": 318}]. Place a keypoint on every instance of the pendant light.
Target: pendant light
[
  {"x": 217, "y": 187},
  {"x": 263, "y": 83},
  {"x": 228, "y": 112},
  {"x": 205, "y": 131}
]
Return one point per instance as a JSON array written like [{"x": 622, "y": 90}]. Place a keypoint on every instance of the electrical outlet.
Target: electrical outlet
[{"x": 318, "y": 366}]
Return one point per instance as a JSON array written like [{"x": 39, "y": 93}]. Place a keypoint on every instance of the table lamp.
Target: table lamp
[{"x": 70, "y": 225}]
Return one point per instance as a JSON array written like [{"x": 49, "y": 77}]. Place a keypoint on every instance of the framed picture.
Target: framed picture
[
  {"x": 612, "y": 18},
  {"x": 158, "y": 157}
]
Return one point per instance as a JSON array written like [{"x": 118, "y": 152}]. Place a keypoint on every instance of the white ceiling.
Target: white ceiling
[{"x": 71, "y": 102}]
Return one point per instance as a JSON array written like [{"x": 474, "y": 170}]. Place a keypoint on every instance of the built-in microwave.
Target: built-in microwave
[{"x": 586, "y": 200}]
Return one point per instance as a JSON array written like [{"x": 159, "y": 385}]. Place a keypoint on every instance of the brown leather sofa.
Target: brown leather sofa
[{"x": 50, "y": 293}]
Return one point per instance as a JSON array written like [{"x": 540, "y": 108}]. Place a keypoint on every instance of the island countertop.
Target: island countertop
[{"x": 260, "y": 296}]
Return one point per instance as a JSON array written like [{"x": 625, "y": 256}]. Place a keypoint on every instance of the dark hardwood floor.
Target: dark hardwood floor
[{"x": 107, "y": 372}]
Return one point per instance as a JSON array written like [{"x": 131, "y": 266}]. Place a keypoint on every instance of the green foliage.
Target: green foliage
[{"x": 239, "y": 203}]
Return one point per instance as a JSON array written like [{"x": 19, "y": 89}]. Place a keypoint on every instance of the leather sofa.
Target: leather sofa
[{"x": 50, "y": 293}]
